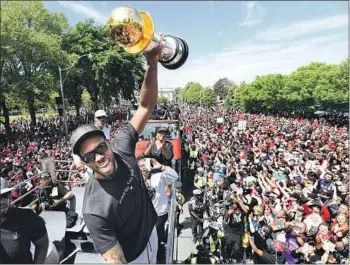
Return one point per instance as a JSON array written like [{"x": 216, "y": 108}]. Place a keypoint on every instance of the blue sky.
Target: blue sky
[{"x": 236, "y": 39}]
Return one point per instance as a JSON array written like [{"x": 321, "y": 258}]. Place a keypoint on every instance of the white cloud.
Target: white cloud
[
  {"x": 250, "y": 23},
  {"x": 243, "y": 62},
  {"x": 303, "y": 28},
  {"x": 86, "y": 9},
  {"x": 220, "y": 33},
  {"x": 253, "y": 14}
]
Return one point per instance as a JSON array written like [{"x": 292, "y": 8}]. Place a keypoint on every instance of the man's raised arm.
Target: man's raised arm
[{"x": 149, "y": 92}]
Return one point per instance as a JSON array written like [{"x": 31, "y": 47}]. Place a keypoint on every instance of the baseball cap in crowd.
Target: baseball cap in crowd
[
  {"x": 162, "y": 129},
  {"x": 100, "y": 113},
  {"x": 82, "y": 133}
]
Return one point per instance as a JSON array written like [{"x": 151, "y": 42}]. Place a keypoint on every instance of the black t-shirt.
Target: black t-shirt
[
  {"x": 55, "y": 192},
  {"x": 21, "y": 227},
  {"x": 235, "y": 223},
  {"x": 120, "y": 209},
  {"x": 158, "y": 155}
]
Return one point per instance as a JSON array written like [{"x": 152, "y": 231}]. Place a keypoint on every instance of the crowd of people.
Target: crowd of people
[
  {"x": 24, "y": 148},
  {"x": 283, "y": 180},
  {"x": 284, "y": 184}
]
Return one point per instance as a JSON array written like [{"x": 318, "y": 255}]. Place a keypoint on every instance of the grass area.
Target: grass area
[{"x": 26, "y": 115}]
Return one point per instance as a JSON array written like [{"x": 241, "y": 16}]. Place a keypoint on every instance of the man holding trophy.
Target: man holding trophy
[{"x": 117, "y": 209}]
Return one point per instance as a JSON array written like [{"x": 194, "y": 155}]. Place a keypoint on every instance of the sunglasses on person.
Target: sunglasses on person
[{"x": 90, "y": 157}]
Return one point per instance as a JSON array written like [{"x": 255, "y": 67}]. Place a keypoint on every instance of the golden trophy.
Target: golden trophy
[{"x": 134, "y": 31}]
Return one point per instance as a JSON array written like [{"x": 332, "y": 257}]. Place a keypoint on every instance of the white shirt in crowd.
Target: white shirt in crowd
[
  {"x": 107, "y": 132},
  {"x": 159, "y": 181}
]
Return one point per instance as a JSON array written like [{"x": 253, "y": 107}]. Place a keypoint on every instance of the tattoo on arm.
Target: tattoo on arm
[{"x": 114, "y": 255}]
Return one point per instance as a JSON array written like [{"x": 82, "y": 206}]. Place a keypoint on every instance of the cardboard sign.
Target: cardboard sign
[
  {"x": 242, "y": 125},
  {"x": 220, "y": 120}
]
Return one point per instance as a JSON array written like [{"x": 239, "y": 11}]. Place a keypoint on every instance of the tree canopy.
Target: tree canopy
[
  {"x": 36, "y": 42},
  {"x": 311, "y": 87},
  {"x": 31, "y": 37}
]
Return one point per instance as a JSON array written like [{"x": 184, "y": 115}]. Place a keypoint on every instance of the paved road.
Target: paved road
[{"x": 185, "y": 244}]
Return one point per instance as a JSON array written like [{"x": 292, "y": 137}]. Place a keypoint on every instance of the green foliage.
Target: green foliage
[
  {"x": 192, "y": 93},
  {"x": 162, "y": 99},
  {"x": 317, "y": 84},
  {"x": 230, "y": 99},
  {"x": 86, "y": 100},
  {"x": 208, "y": 97},
  {"x": 31, "y": 46},
  {"x": 221, "y": 87},
  {"x": 112, "y": 72}
]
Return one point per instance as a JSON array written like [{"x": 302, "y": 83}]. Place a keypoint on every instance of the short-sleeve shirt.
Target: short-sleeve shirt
[
  {"x": 21, "y": 227},
  {"x": 120, "y": 209},
  {"x": 55, "y": 192}
]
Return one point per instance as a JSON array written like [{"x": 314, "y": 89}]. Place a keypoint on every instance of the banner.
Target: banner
[
  {"x": 220, "y": 120},
  {"x": 242, "y": 125}
]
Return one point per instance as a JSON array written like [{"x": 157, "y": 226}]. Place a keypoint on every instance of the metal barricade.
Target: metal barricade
[
  {"x": 28, "y": 192},
  {"x": 171, "y": 228},
  {"x": 25, "y": 181}
]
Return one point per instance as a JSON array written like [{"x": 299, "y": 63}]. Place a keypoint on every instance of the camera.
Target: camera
[{"x": 148, "y": 164}]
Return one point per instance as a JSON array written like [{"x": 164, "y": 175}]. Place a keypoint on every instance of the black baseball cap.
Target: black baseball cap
[
  {"x": 82, "y": 133},
  {"x": 162, "y": 129}
]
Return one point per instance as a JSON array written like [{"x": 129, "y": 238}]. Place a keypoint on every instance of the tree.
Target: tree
[
  {"x": 268, "y": 90},
  {"x": 178, "y": 93},
  {"x": 231, "y": 98},
  {"x": 86, "y": 100},
  {"x": 192, "y": 93},
  {"x": 208, "y": 98},
  {"x": 310, "y": 85},
  {"x": 32, "y": 38},
  {"x": 221, "y": 87},
  {"x": 112, "y": 72},
  {"x": 162, "y": 99}
]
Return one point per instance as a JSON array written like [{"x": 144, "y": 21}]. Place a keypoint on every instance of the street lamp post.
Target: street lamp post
[{"x": 62, "y": 93}]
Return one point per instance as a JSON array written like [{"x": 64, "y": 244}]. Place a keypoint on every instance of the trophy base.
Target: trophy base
[{"x": 180, "y": 56}]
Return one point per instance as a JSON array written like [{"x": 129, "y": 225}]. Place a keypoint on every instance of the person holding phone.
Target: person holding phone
[{"x": 160, "y": 148}]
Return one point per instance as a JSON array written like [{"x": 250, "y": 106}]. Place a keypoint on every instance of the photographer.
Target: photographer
[
  {"x": 234, "y": 229},
  {"x": 53, "y": 196},
  {"x": 264, "y": 248},
  {"x": 160, "y": 148},
  {"x": 157, "y": 177}
]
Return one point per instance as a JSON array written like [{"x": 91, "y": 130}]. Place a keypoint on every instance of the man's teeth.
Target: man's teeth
[{"x": 104, "y": 164}]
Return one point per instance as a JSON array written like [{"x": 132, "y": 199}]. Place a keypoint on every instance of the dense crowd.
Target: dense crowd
[
  {"x": 24, "y": 148},
  {"x": 283, "y": 180}
]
